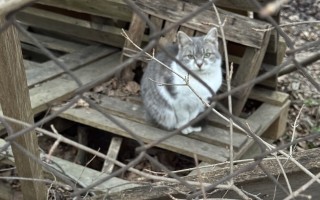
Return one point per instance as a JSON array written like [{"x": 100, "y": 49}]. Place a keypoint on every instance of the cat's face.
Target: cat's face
[{"x": 199, "y": 53}]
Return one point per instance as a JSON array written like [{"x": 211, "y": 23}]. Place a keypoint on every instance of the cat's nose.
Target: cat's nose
[{"x": 199, "y": 65}]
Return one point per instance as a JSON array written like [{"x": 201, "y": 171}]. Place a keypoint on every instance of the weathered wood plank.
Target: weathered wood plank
[
  {"x": 277, "y": 128},
  {"x": 113, "y": 152},
  {"x": 268, "y": 96},
  {"x": 15, "y": 103},
  {"x": 116, "y": 9},
  {"x": 63, "y": 87},
  {"x": 133, "y": 110},
  {"x": 30, "y": 64},
  {"x": 72, "y": 26},
  {"x": 248, "y": 70},
  {"x": 84, "y": 175},
  {"x": 245, "y": 5},
  {"x": 170, "y": 36},
  {"x": 93, "y": 118},
  {"x": 236, "y": 27},
  {"x": 263, "y": 95},
  {"x": 53, "y": 43},
  {"x": 73, "y": 60},
  {"x": 210, "y": 134},
  {"x": 253, "y": 181},
  {"x": 190, "y": 32},
  {"x": 265, "y": 115}
]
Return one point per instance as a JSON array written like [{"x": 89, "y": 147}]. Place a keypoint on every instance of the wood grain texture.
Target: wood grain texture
[
  {"x": 277, "y": 128},
  {"x": 177, "y": 143},
  {"x": 253, "y": 181},
  {"x": 53, "y": 43},
  {"x": 236, "y": 26},
  {"x": 265, "y": 116},
  {"x": 79, "y": 173},
  {"x": 15, "y": 103},
  {"x": 113, "y": 152},
  {"x": 215, "y": 133},
  {"x": 75, "y": 27},
  {"x": 63, "y": 87},
  {"x": 245, "y": 5},
  {"x": 50, "y": 69},
  {"x": 116, "y": 9}
]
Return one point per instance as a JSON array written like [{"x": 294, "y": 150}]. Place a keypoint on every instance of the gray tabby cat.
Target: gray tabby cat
[{"x": 172, "y": 104}]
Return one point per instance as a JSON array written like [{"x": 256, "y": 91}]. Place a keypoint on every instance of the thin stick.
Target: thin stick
[
  {"x": 228, "y": 79},
  {"x": 303, "y": 188},
  {"x": 294, "y": 128}
]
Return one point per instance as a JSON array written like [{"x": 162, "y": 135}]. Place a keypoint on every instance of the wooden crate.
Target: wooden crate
[{"x": 75, "y": 34}]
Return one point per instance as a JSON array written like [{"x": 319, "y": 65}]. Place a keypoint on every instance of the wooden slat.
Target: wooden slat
[
  {"x": 170, "y": 36},
  {"x": 277, "y": 128},
  {"x": 263, "y": 94},
  {"x": 84, "y": 175},
  {"x": 236, "y": 26},
  {"x": 253, "y": 181},
  {"x": 248, "y": 70},
  {"x": 190, "y": 32},
  {"x": 245, "y": 5},
  {"x": 74, "y": 60},
  {"x": 113, "y": 152},
  {"x": 53, "y": 43},
  {"x": 30, "y": 64},
  {"x": 136, "y": 112},
  {"x": 179, "y": 143},
  {"x": 116, "y": 9},
  {"x": 265, "y": 115},
  {"x": 72, "y": 26},
  {"x": 63, "y": 88},
  {"x": 268, "y": 96}
]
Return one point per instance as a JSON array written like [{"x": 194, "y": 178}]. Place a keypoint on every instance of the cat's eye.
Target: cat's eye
[
  {"x": 207, "y": 55},
  {"x": 190, "y": 56}
]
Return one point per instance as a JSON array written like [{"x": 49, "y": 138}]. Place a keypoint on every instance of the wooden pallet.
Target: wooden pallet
[
  {"x": 87, "y": 60},
  {"x": 210, "y": 145}
]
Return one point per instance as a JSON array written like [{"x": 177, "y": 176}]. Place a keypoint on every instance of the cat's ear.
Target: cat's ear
[
  {"x": 183, "y": 39},
  {"x": 212, "y": 36}
]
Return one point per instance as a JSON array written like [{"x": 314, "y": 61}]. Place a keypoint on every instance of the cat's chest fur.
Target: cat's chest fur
[{"x": 190, "y": 96}]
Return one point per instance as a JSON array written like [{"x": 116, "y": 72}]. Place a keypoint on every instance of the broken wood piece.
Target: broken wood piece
[{"x": 112, "y": 153}]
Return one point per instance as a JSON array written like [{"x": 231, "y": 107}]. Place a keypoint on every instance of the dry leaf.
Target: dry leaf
[{"x": 132, "y": 87}]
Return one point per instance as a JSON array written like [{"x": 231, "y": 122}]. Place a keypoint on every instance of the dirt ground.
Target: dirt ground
[{"x": 301, "y": 91}]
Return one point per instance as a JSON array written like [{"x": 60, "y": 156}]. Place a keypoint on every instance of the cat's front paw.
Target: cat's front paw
[
  {"x": 190, "y": 129},
  {"x": 197, "y": 129}
]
